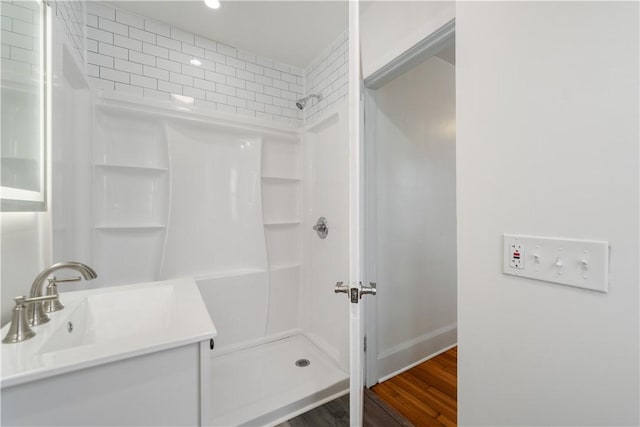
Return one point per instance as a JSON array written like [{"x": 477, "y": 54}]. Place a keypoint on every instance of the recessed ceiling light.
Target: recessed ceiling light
[
  {"x": 213, "y": 4},
  {"x": 196, "y": 62}
]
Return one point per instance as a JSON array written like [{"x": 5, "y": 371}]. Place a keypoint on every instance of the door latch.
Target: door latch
[{"x": 356, "y": 292}]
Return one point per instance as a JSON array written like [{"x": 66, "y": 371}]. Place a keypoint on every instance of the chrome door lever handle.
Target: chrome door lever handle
[
  {"x": 341, "y": 288},
  {"x": 368, "y": 290}
]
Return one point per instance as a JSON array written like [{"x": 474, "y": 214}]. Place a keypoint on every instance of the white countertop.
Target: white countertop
[{"x": 109, "y": 324}]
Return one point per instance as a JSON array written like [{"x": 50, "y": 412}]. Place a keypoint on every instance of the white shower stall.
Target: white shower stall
[{"x": 148, "y": 189}]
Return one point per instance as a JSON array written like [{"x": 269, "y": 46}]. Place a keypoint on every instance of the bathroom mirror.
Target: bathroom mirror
[{"x": 23, "y": 106}]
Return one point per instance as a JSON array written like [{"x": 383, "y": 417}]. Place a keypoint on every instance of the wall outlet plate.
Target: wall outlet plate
[{"x": 572, "y": 262}]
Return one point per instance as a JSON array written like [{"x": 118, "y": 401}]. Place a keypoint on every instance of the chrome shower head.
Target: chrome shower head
[{"x": 302, "y": 102}]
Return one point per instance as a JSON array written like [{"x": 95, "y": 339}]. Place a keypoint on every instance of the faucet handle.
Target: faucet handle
[
  {"x": 52, "y": 289},
  {"x": 54, "y": 280},
  {"x": 20, "y": 329}
]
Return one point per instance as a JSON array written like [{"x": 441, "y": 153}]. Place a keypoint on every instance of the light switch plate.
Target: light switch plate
[{"x": 572, "y": 262}]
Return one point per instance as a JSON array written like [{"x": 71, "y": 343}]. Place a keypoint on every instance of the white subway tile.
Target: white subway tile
[
  {"x": 18, "y": 68},
  {"x": 253, "y": 68},
  {"x": 102, "y": 84},
  {"x": 142, "y": 35},
  {"x": 280, "y": 84},
  {"x": 130, "y": 67},
  {"x": 241, "y": 74},
  {"x": 154, "y": 94},
  {"x": 92, "y": 45},
  {"x": 236, "y": 63},
  {"x": 100, "y": 9},
  {"x": 97, "y": 59},
  {"x": 269, "y": 72},
  {"x": 154, "y": 50},
  {"x": 224, "y": 69},
  {"x": 180, "y": 57},
  {"x": 169, "y": 87},
  {"x": 6, "y": 51},
  {"x": 181, "y": 79},
  {"x": 256, "y": 106},
  {"x": 296, "y": 88},
  {"x": 245, "y": 94},
  {"x": 279, "y": 102},
  {"x": 223, "y": 108},
  {"x": 216, "y": 97},
  {"x": 157, "y": 27},
  {"x": 281, "y": 67},
  {"x": 182, "y": 36},
  {"x": 203, "y": 84},
  {"x": 265, "y": 99},
  {"x": 265, "y": 62},
  {"x": 289, "y": 78},
  {"x": 271, "y": 91},
  {"x": 225, "y": 90},
  {"x": 99, "y": 35},
  {"x": 232, "y": 81},
  {"x": 168, "y": 65},
  {"x": 93, "y": 70},
  {"x": 16, "y": 12},
  {"x": 215, "y": 56},
  {"x": 123, "y": 41},
  {"x": 112, "y": 26},
  {"x": 255, "y": 87},
  {"x": 205, "y": 104},
  {"x": 168, "y": 43},
  {"x": 190, "y": 70},
  {"x": 300, "y": 81},
  {"x": 267, "y": 81},
  {"x": 193, "y": 92},
  {"x": 214, "y": 77},
  {"x": 129, "y": 19},
  {"x": 206, "y": 43},
  {"x": 296, "y": 71},
  {"x": 192, "y": 50},
  {"x": 6, "y": 23},
  {"x": 155, "y": 73},
  {"x": 273, "y": 110},
  {"x": 246, "y": 56},
  {"x": 289, "y": 95},
  {"x": 128, "y": 89},
  {"x": 25, "y": 28},
  {"x": 24, "y": 55},
  {"x": 142, "y": 58},
  {"x": 115, "y": 51},
  {"x": 227, "y": 50},
  {"x": 144, "y": 81},
  {"x": 116, "y": 76}
]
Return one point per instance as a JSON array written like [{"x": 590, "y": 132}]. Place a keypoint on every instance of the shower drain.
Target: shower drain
[{"x": 302, "y": 363}]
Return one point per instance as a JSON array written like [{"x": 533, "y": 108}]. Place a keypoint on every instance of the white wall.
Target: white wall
[
  {"x": 415, "y": 226},
  {"x": 547, "y": 144},
  {"x": 388, "y": 28}
]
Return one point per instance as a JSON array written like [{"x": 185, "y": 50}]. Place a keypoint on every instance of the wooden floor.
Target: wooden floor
[{"x": 427, "y": 394}]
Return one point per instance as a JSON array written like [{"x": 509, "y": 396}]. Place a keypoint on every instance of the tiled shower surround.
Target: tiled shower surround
[{"x": 135, "y": 55}]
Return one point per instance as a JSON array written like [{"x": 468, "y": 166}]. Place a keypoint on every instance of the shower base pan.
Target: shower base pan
[{"x": 263, "y": 385}]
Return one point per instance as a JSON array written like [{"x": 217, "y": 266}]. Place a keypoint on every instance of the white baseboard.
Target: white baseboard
[{"x": 405, "y": 356}]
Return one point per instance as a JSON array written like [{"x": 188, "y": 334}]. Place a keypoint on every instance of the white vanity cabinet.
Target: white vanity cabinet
[{"x": 146, "y": 367}]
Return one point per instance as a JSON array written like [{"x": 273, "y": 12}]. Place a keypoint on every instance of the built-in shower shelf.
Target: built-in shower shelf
[
  {"x": 230, "y": 273},
  {"x": 280, "y": 223},
  {"x": 280, "y": 179},
  {"x": 130, "y": 227},
  {"x": 150, "y": 169}
]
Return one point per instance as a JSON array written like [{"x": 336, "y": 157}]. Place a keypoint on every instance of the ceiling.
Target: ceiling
[{"x": 293, "y": 32}]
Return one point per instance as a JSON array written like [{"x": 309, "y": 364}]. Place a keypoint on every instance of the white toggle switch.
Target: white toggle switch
[{"x": 573, "y": 262}]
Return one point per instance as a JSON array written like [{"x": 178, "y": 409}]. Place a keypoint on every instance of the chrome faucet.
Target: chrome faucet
[{"x": 35, "y": 311}]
